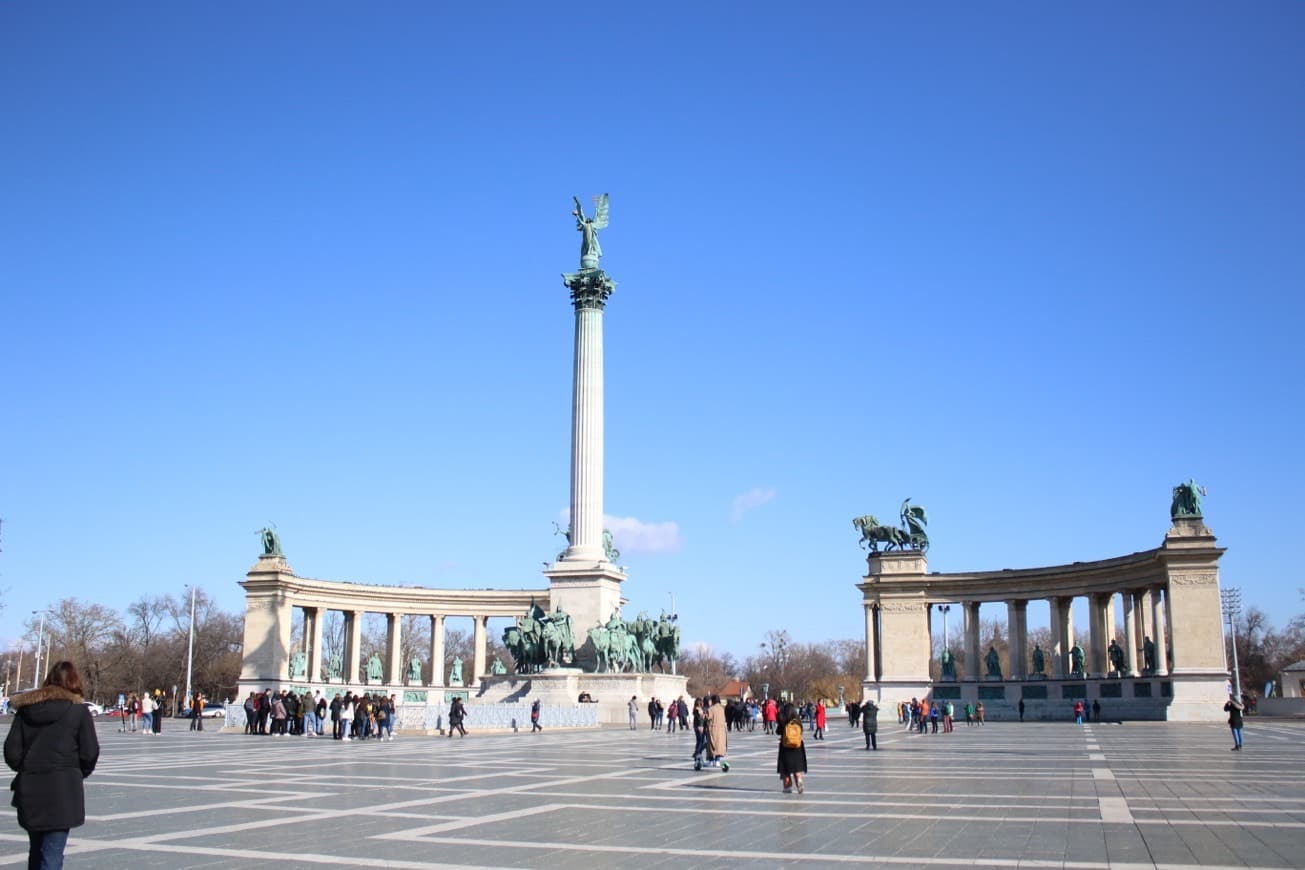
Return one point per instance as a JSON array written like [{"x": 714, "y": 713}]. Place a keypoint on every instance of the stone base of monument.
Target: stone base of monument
[{"x": 611, "y": 693}]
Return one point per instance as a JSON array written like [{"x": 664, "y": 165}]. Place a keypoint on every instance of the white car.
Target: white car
[{"x": 96, "y": 709}]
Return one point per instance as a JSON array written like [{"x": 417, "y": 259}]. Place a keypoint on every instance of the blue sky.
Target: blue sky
[{"x": 1030, "y": 266}]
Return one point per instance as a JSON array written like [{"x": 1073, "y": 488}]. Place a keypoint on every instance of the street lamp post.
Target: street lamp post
[
  {"x": 190, "y": 647},
  {"x": 674, "y": 617},
  {"x": 40, "y": 638},
  {"x": 1232, "y": 608}
]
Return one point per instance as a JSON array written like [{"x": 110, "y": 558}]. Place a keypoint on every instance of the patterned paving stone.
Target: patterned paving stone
[{"x": 1003, "y": 795}]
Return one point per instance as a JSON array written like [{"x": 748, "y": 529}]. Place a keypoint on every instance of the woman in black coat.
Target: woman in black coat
[
  {"x": 792, "y": 762},
  {"x": 52, "y": 745}
]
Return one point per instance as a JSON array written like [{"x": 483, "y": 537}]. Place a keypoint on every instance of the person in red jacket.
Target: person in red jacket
[{"x": 820, "y": 721}]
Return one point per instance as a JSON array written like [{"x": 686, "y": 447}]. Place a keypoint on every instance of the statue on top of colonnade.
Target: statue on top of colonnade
[
  {"x": 1187, "y": 500},
  {"x": 911, "y": 535},
  {"x": 271, "y": 541}
]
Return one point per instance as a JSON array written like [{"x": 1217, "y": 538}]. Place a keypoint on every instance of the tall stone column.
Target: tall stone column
[
  {"x": 353, "y": 643},
  {"x": 437, "y": 650},
  {"x": 584, "y": 582},
  {"x": 315, "y": 643},
  {"x": 1158, "y": 628},
  {"x": 589, "y": 292},
  {"x": 478, "y": 649},
  {"x": 1143, "y": 603},
  {"x": 393, "y": 663},
  {"x": 1017, "y": 624},
  {"x": 972, "y": 655},
  {"x": 1130, "y": 634},
  {"x": 1057, "y": 651},
  {"x": 871, "y": 643},
  {"x": 1098, "y": 661}
]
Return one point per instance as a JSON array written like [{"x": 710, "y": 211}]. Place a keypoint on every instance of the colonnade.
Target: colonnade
[
  {"x": 1165, "y": 599},
  {"x": 394, "y": 668},
  {"x": 273, "y": 593}
]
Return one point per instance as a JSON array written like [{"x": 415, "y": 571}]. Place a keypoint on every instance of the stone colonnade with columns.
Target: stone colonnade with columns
[
  {"x": 272, "y": 592},
  {"x": 1169, "y": 599}
]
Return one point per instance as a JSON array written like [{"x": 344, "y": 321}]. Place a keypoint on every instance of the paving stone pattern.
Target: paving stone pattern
[{"x": 1000, "y": 795}]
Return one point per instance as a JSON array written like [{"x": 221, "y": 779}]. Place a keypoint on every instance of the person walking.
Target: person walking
[
  {"x": 534, "y": 717},
  {"x": 158, "y": 711},
  {"x": 457, "y": 713},
  {"x": 978, "y": 712},
  {"x": 1021, "y": 709},
  {"x": 870, "y": 724},
  {"x": 1096, "y": 710},
  {"x": 52, "y": 746},
  {"x": 699, "y": 732},
  {"x": 935, "y": 713},
  {"x": 821, "y": 720},
  {"x": 1078, "y": 712},
  {"x": 969, "y": 715},
  {"x": 197, "y": 713},
  {"x": 949, "y": 713},
  {"x": 717, "y": 735},
  {"x": 634, "y": 712},
  {"x": 147, "y": 708},
  {"x": 1235, "y": 722},
  {"x": 791, "y": 765}
]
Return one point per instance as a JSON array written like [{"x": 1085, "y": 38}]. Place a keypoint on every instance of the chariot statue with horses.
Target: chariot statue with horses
[{"x": 910, "y": 535}]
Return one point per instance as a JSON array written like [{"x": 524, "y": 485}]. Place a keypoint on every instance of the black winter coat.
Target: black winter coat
[{"x": 52, "y": 745}]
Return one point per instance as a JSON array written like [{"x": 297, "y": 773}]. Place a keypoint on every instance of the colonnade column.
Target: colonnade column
[
  {"x": 314, "y": 634},
  {"x": 1130, "y": 634},
  {"x": 437, "y": 650},
  {"x": 971, "y": 640},
  {"x": 1158, "y": 628},
  {"x": 353, "y": 644},
  {"x": 1017, "y": 625},
  {"x": 478, "y": 649},
  {"x": 1057, "y": 651},
  {"x": 393, "y": 667},
  {"x": 870, "y": 644},
  {"x": 1143, "y": 606},
  {"x": 1098, "y": 660}
]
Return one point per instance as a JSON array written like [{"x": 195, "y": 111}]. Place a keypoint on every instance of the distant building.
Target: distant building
[{"x": 735, "y": 690}]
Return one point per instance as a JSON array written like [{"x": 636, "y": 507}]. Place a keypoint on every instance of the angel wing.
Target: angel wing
[{"x": 600, "y": 213}]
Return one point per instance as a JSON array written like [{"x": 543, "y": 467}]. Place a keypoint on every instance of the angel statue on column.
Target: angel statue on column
[{"x": 590, "y": 250}]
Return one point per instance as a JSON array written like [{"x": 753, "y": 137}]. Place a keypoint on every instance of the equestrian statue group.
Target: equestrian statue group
[
  {"x": 909, "y": 536},
  {"x": 542, "y": 640}
]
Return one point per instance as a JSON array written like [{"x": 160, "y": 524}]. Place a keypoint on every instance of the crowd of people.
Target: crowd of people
[{"x": 352, "y": 717}]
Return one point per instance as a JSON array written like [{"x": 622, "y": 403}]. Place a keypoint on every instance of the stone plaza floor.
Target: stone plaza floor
[{"x": 1001, "y": 795}]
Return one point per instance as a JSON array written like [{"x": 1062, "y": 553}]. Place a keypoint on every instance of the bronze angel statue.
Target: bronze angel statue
[{"x": 590, "y": 250}]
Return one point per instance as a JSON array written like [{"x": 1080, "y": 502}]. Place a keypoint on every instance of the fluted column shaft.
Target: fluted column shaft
[
  {"x": 353, "y": 643},
  {"x": 1098, "y": 660},
  {"x": 437, "y": 650},
  {"x": 971, "y": 640},
  {"x": 314, "y": 634},
  {"x": 1017, "y": 624},
  {"x": 587, "y": 437},
  {"x": 478, "y": 650},
  {"x": 393, "y": 666},
  {"x": 1130, "y": 634},
  {"x": 870, "y": 644},
  {"x": 1158, "y": 629}
]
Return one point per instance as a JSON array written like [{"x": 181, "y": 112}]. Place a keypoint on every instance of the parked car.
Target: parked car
[
  {"x": 211, "y": 711},
  {"x": 96, "y": 709}
]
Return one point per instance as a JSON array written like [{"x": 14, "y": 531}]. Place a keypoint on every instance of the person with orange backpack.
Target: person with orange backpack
[{"x": 792, "y": 763}]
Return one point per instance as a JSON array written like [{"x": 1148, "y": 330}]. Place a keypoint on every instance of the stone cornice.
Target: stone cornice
[{"x": 341, "y": 595}]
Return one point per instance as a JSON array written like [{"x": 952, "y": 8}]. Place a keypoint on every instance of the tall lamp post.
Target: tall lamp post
[
  {"x": 1232, "y": 608},
  {"x": 190, "y": 648},
  {"x": 674, "y": 617},
  {"x": 40, "y": 638}
]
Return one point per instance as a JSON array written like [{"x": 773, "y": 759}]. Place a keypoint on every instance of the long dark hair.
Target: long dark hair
[{"x": 64, "y": 675}]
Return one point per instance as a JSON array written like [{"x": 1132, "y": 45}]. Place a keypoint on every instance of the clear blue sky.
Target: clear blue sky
[{"x": 299, "y": 263}]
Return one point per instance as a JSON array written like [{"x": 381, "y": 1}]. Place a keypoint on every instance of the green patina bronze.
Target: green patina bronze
[
  {"x": 1039, "y": 660},
  {"x": 540, "y": 640},
  {"x": 947, "y": 663},
  {"x": 1187, "y": 500},
  {"x": 334, "y": 667},
  {"x": 414, "y": 697},
  {"x": 911, "y": 534},
  {"x": 298, "y": 666},
  {"x": 374, "y": 668},
  {"x": 497, "y": 668},
  {"x": 1116, "y": 654},
  {"x": 1076, "y": 660},
  {"x": 590, "y": 287},
  {"x": 608, "y": 549},
  {"x": 414, "y": 671},
  {"x": 455, "y": 672},
  {"x": 993, "y": 661},
  {"x": 271, "y": 542}
]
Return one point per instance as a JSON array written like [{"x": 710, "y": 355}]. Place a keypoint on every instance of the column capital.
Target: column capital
[{"x": 589, "y": 288}]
